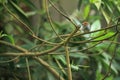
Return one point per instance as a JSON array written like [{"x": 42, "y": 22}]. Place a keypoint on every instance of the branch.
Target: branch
[{"x": 47, "y": 66}]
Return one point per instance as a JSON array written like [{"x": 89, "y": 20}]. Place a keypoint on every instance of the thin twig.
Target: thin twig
[
  {"x": 113, "y": 56},
  {"x": 26, "y": 53},
  {"x": 89, "y": 40},
  {"x": 25, "y": 25},
  {"x": 28, "y": 68},
  {"x": 64, "y": 15},
  {"x": 68, "y": 63},
  {"x": 50, "y": 21},
  {"x": 87, "y": 48},
  {"x": 61, "y": 68},
  {"x": 46, "y": 65},
  {"x": 13, "y": 46},
  {"x": 36, "y": 37},
  {"x": 11, "y": 60}
]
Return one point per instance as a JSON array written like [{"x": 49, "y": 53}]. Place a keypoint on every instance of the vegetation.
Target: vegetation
[{"x": 35, "y": 45}]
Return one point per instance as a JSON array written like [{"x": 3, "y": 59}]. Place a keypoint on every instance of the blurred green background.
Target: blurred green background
[{"x": 26, "y": 24}]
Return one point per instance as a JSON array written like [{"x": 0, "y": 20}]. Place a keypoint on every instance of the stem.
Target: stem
[
  {"x": 28, "y": 69},
  {"x": 47, "y": 66},
  {"x": 50, "y": 21},
  {"x": 68, "y": 63},
  {"x": 25, "y": 25}
]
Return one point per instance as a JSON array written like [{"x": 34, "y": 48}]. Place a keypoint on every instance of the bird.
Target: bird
[{"x": 85, "y": 27}]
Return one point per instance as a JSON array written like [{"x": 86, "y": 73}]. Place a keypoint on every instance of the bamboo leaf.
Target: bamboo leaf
[
  {"x": 79, "y": 4},
  {"x": 98, "y": 3},
  {"x": 19, "y": 12},
  {"x": 106, "y": 16},
  {"x": 86, "y": 11}
]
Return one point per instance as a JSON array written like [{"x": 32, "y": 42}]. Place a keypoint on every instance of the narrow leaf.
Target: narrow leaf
[
  {"x": 106, "y": 16},
  {"x": 19, "y": 12},
  {"x": 98, "y": 4},
  {"x": 86, "y": 11},
  {"x": 79, "y": 4}
]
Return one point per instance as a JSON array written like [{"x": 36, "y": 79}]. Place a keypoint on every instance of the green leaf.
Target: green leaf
[
  {"x": 116, "y": 9},
  {"x": 110, "y": 78},
  {"x": 109, "y": 7},
  {"x": 31, "y": 13},
  {"x": 20, "y": 12},
  {"x": 95, "y": 26},
  {"x": 77, "y": 22},
  {"x": 11, "y": 39},
  {"x": 18, "y": 8},
  {"x": 50, "y": 76},
  {"x": 92, "y": 1},
  {"x": 79, "y": 4},
  {"x": 3, "y": 35},
  {"x": 86, "y": 11},
  {"x": 98, "y": 75},
  {"x": 106, "y": 60},
  {"x": 107, "y": 35},
  {"x": 78, "y": 55},
  {"x": 74, "y": 67},
  {"x": 28, "y": 44},
  {"x": 30, "y": 4},
  {"x": 106, "y": 16},
  {"x": 97, "y": 3},
  {"x": 61, "y": 58}
]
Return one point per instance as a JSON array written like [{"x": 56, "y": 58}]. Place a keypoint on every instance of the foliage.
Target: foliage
[{"x": 35, "y": 46}]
